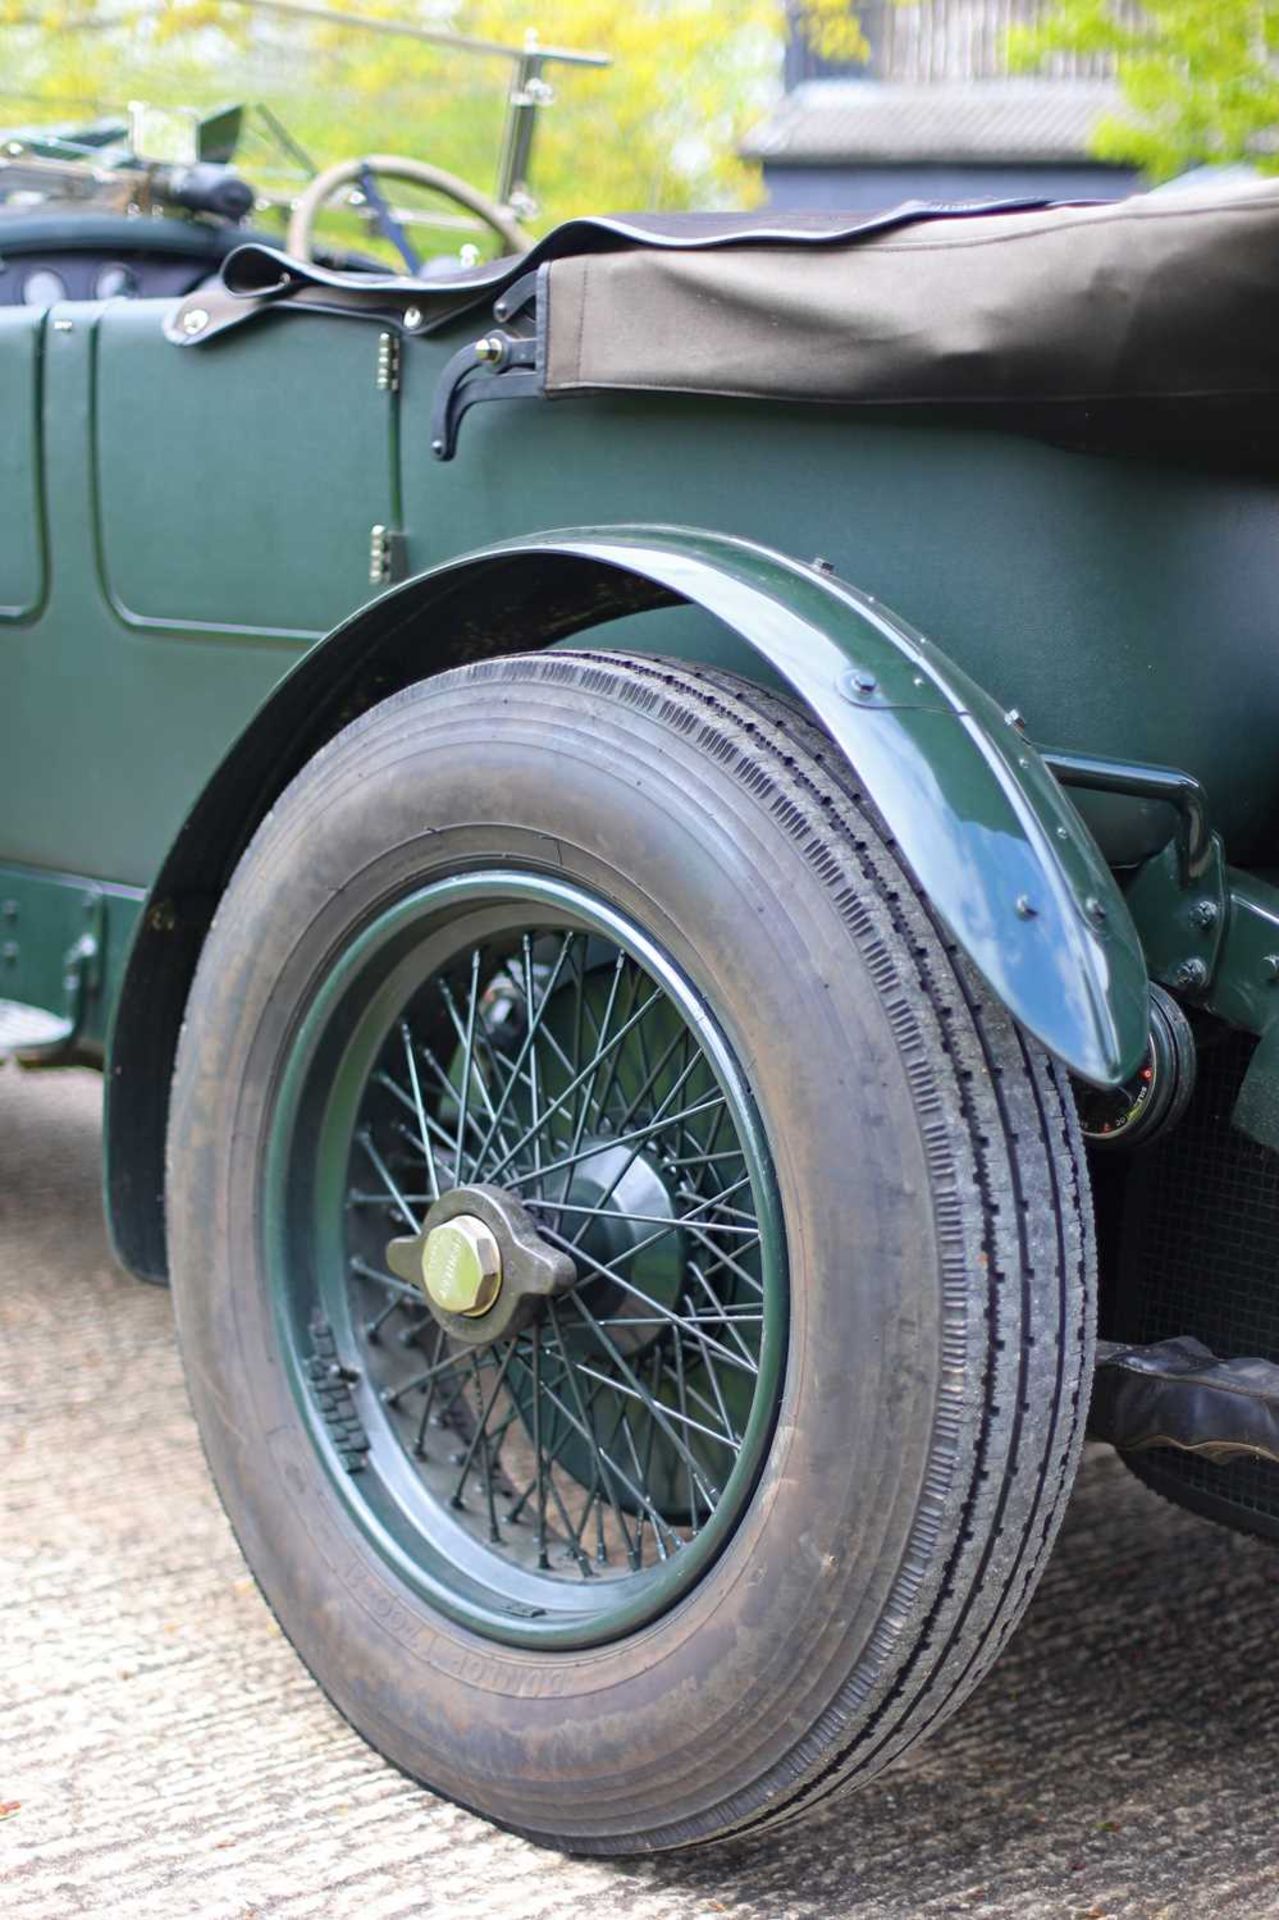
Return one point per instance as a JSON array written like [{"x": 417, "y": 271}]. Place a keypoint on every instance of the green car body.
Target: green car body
[
  {"x": 1045, "y": 672},
  {"x": 181, "y": 529}
]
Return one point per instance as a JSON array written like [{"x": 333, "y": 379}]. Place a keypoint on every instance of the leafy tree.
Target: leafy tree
[
  {"x": 1199, "y": 77},
  {"x": 659, "y": 128},
  {"x": 832, "y": 29}
]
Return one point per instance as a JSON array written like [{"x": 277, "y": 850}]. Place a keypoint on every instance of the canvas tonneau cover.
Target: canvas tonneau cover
[
  {"x": 1150, "y": 321},
  {"x": 1168, "y": 296}
]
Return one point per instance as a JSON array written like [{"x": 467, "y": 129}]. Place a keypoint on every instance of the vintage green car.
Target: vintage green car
[{"x": 634, "y": 1057}]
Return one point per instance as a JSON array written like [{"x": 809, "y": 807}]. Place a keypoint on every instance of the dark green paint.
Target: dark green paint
[
  {"x": 63, "y": 946},
  {"x": 1120, "y": 607},
  {"x": 1181, "y": 922},
  {"x": 1245, "y": 991},
  {"x": 22, "y": 545},
  {"x": 1177, "y": 895},
  {"x": 184, "y": 521},
  {"x": 997, "y": 847},
  {"x": 260, "y": 523},
  {"x": 307, "y": 1182}
]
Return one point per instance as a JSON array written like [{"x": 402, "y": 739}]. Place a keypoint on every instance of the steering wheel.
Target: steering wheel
[{"x": 364, "y": 173}]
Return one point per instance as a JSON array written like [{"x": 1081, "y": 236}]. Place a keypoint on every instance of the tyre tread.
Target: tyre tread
[
  {"x": 1004, "y": 1155},
  {"x": 775, "y": 746}
]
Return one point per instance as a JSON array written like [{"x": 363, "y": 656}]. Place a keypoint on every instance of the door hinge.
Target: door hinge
[
  {"x": 387, "y": 554},
  {"x": 388, "y": 363}
]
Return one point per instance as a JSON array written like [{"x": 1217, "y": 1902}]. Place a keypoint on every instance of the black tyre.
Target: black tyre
[{"x": 676, "y": 1537}]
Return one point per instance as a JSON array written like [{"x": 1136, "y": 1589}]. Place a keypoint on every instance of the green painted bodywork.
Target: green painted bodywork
[
  {"x": 371, "y": 979},
  {"x": 23, "y": 563},
  {"x": 178, "y": 527},
  {"x": 63, "y": 946},
  {"x": 202, "y": 532},
  {"x": 1000, "y": 852}
]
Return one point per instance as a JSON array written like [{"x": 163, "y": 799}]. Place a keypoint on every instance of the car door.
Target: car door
[
  {"x": 238, "y": 483},
  {"x": 177, "y": 525}
]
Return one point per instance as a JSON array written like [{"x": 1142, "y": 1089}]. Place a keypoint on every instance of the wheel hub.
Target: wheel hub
[
  {"x": 557, "y": 1380},
  {"x": 480, "y": 1264},
  {"x": 620, "y": 1212},
  {"x": 462, "y": 1266}
]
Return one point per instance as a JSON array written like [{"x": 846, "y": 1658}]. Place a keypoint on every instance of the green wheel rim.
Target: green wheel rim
[{"x": 565, "y": 1483}]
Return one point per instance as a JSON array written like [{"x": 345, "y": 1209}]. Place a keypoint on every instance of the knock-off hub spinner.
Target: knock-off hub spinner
[
  {"x": 480, "y": 1264},
  {"x": 462, "y": 1266}
]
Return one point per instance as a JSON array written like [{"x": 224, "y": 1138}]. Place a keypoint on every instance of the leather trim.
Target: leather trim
[{"x": 1177, "y": 1393}]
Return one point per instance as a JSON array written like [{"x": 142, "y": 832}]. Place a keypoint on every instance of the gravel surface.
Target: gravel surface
[{"x": 168, "y": 1756}]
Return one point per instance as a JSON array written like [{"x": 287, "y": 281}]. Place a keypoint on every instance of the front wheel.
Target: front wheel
[{"x": 635, "y": 1287}]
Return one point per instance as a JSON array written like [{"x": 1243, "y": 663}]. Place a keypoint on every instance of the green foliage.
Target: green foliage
[
  {"x": 832, "y": 30},
  {"x": 659, "y": 128},
  {"x": 1198, "y": 76}
]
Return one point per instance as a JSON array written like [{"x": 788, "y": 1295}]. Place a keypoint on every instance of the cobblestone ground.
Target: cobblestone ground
[{"x": 170, "y": 1758}]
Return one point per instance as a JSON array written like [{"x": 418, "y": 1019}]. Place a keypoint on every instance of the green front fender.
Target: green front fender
[{"x": 997, "y": 848}]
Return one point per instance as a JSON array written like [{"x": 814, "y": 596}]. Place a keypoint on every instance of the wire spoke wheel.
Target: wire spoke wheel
[
  {"x": 635, "y": 1284},
  {"x": 557, "y": 1463}
]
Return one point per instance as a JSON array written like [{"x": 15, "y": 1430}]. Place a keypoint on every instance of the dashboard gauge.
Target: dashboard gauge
[
  {"x": 114, "y": 281},
  {"x": 43, "y": 288}
]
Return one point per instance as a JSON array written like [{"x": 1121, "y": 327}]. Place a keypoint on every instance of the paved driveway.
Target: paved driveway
[{"x": 170, "y": 1758}]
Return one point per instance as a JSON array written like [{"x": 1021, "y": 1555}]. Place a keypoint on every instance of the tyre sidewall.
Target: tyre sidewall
[{"x": 677, "y": 1724}]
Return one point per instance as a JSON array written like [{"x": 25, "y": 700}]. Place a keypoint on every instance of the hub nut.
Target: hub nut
[
  {"x": 462, "y": 1266},
  {"x": 482, "y": 1265}
]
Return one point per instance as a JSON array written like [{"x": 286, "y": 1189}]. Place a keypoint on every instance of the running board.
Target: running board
[
  {"x": 31, "y": 1033},
  {"x": 1176, "y": 1393}
]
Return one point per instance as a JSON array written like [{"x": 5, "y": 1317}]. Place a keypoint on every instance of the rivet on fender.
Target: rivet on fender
[{"x": 858, "y": 684}]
